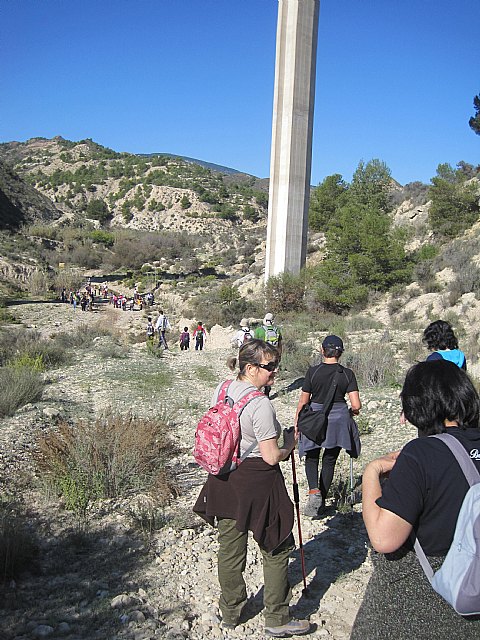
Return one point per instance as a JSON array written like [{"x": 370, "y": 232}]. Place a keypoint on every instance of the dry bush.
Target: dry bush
[
  {"x": 106, "y": 459},
  {"x": 82, "y": 337},
  {"x": 373, "y": 367},
  {"x": 38, "y": 283}
]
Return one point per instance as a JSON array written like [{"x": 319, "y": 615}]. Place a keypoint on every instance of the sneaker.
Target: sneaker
[
  {"x": 314, "y": 506},
  {"x": 292, "y": 628},
  {"x": 228, "y": 625}
]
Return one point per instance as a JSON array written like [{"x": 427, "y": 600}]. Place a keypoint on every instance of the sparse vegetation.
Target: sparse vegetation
[{"x": 106, "y": 458}]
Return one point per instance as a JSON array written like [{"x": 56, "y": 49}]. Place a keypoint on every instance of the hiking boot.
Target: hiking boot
[
  {"x": 292, "y": 628},
  {"x": 315, "y": 505}
]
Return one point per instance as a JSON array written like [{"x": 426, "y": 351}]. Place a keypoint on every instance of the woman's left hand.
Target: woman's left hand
[{"x": 384, "y": 464}]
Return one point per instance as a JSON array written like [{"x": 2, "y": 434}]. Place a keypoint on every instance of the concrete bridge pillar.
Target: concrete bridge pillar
[{"x": 291, "y": 154}]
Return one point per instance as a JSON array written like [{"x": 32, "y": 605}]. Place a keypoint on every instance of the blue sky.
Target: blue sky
[{"x": 395, "y": 79}]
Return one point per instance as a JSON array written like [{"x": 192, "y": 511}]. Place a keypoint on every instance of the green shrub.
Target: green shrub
[
  {"x": 296, "y": 355},
  {"x": 364, "y": 426},
  {"x": 27, "y": 347},
  {"x": 18, "y": 386},
  {"x": 6, "y": 317},
  {"x": 35, "y": 363},
  {"x": 285, "y": 292},
  {"x": 362, "y": 323}
]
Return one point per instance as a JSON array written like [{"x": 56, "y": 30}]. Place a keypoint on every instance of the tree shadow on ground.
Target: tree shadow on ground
[
  {"x": 293, "y": 386},
  {"x": 76, "y": 577}
]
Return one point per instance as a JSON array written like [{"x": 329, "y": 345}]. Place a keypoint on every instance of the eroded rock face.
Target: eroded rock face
[{"x": 16, "y": 271}]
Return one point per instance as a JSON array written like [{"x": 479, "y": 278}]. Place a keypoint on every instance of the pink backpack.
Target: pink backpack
[{"x": 217, "y": 438}]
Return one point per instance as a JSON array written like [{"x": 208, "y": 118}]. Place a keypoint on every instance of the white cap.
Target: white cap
[
  {"x": 268, "y": 317},
  {"x": 244, "y": 322}
]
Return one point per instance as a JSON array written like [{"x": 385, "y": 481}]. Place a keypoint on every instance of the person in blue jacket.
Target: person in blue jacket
[{"x": 442, "y": 342}]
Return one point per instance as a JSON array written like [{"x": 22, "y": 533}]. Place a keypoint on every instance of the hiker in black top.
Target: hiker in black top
[
  {"x": 342, "y": 430},
  {"x": 419, "y": 489}
]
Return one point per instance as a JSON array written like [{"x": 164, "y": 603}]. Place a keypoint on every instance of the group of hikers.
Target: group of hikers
[
  {"x": 412, "y": 494},
  {"x": 162, "y": 325}
]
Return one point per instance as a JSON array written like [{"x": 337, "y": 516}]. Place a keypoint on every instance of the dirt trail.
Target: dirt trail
[{"x": 178, "y": 567}]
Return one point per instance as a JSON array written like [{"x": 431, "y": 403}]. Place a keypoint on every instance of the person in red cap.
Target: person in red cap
[{"x": 341, "y": 431}]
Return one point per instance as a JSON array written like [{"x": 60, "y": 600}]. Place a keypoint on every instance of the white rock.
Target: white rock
[{"x": 121, "y": 600}]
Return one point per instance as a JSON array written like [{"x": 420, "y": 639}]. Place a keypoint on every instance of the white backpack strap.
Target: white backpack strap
[
  {"x": 461, "y": 456},
  {"x": 471, "y": 474}
]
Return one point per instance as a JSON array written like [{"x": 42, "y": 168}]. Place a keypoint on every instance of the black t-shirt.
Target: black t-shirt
[
  {"x": 426, "y": 488},
  {"x": 318, "y": 381}
]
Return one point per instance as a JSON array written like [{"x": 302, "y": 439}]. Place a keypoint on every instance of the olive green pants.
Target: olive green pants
[{"x": 232, "y": 557}]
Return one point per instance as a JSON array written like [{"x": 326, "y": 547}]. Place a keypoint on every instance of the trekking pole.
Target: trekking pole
[
  {"x": 296, "y": 499},
  {"x": 352, "y": 496}
]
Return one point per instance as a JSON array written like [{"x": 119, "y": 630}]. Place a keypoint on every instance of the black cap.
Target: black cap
[{"x": 333, "y": 342}]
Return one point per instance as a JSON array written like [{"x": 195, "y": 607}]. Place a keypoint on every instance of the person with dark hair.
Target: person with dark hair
[
  {"x": 341, "y": 427},
  {"x": 418, "y": 492},
  {"x": 200, "y": 336},
  {"x": 253, "y": 498},
  {"x": 442, "y": 342}
]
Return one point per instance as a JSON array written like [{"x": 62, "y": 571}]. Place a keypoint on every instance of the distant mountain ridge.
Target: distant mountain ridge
[{"x": 208, "y": 165}]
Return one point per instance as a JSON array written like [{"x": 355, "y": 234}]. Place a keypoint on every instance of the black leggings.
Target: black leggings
[{"x": 329, "y": 460}]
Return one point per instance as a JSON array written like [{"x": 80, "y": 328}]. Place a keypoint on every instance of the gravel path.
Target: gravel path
[{"x": 111, "y": 582}]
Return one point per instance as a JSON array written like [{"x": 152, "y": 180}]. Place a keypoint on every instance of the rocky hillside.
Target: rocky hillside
[
  {"x": 86, "y": 180},
  {"x": 20, "y": 203}
]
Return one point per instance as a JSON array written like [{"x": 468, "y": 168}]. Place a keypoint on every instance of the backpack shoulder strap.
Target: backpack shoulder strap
[
  {"x": 222, "y": 393},
  {"x": 240, "y": 405},
  {"x": 344, "y": 371},
  {"x": 317, "y": 369},
  {"x": 327, "y": 404}
]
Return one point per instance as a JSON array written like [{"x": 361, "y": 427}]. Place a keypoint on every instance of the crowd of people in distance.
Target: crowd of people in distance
[{"x": 413, "y": 493}]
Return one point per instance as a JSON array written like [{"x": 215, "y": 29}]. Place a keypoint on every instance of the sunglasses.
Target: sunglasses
[{"x": 270, "y": 366}]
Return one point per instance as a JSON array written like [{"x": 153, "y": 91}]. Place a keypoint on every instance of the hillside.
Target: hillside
[
  {"x": 205, "y": 222},
  {"x": 20, "y": 203},
  {"x": 135, "y": 191}
]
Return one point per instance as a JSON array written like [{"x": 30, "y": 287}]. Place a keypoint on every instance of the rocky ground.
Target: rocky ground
[{"x": 111, "y": 580}]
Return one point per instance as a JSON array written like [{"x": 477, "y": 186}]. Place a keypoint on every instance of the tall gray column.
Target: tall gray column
[{"x": 291, "y": 155}]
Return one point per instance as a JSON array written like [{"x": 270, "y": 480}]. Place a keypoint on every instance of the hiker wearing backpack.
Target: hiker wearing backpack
[
  {"x": 161, "y": 327},
  {"x": 243, "y": 334},
  {"x": 200, "y": 336},
  {"x": 419, "y": 491},
  {"x": 150, "y": 330},
  {"x": 253, "y": 497},
  {"x": 324, "y": 389},
  {"x": 271, "y": 334},
  {"x": 185, "y": 339}
]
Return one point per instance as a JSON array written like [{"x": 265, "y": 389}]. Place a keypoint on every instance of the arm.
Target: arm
[
  {"x": 272, "y": 454},
  {"x": 355, "y": 402},
  {"x": 386, "y": 530}
]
